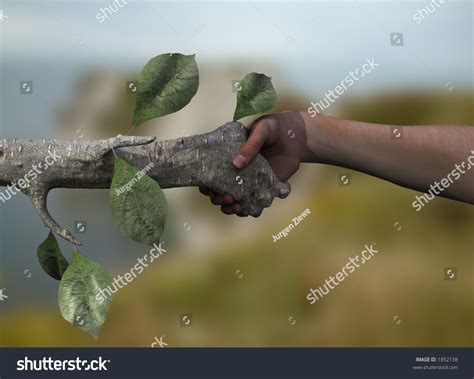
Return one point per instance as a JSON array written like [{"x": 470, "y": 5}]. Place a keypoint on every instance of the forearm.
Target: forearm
[{"x": 421, "y": 157}]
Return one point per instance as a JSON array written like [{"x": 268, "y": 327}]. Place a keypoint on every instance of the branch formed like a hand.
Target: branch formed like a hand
[{"x": 281, "y": 139}]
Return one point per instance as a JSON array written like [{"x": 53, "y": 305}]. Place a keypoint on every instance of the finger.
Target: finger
[
  {"x": 257, "y": 214},
  {"x": 231, "y": 209},
  {"x": 243, "y": 214},
  {"x": 251, "y": 147},
  {"x": 206, "y": 191},
  {"x": 222, "y": 200}
]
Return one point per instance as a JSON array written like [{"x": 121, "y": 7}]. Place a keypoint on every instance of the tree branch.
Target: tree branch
[{"x": 199, "y": 160}]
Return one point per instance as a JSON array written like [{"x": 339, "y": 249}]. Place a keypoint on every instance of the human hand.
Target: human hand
[{"x": 281, "y": 139}]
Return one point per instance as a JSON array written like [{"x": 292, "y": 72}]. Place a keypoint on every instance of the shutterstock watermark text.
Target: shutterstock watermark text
[
  {"x": 437, "y": 187},
  {"x": 333, "y": 281},
  {"x": 331, "y": 96}
]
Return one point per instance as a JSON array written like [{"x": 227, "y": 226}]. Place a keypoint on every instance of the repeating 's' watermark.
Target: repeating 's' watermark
[
  {"x": 122, "y": 281},
  {"x": 331, "y": 96},
  {"x": 333, "y": 281},
  {"x": 437, "y": 187}
]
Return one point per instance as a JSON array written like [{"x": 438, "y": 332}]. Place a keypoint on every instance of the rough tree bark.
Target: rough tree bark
[{"x": 189, "y": 161}]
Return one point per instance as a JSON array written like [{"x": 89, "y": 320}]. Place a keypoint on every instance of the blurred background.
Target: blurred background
[{"x": 240, "y": 288}]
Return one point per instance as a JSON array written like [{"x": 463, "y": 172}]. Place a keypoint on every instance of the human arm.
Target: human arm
[{"x": 436, "y": 158}]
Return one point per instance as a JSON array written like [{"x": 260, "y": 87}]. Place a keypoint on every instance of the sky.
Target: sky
[{"x": 315, "y": 43}]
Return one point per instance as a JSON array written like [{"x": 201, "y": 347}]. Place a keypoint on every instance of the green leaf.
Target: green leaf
[
  {"x": 79, "y": 291},
  {"x": 138, "y": 204},
  {"x": 256, "y": 95},
  {"x": 51, "y": 259},
  {"x": 165, "y": 85}
]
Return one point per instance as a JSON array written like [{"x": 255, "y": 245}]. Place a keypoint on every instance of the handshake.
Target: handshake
[{"x": 289, "y": 138}]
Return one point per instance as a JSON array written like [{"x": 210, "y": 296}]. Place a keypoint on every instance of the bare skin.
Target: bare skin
[{"x": 436, "y": 157}]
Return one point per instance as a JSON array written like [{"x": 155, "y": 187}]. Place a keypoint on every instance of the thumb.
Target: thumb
[{"x": 251, "y": 147}]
